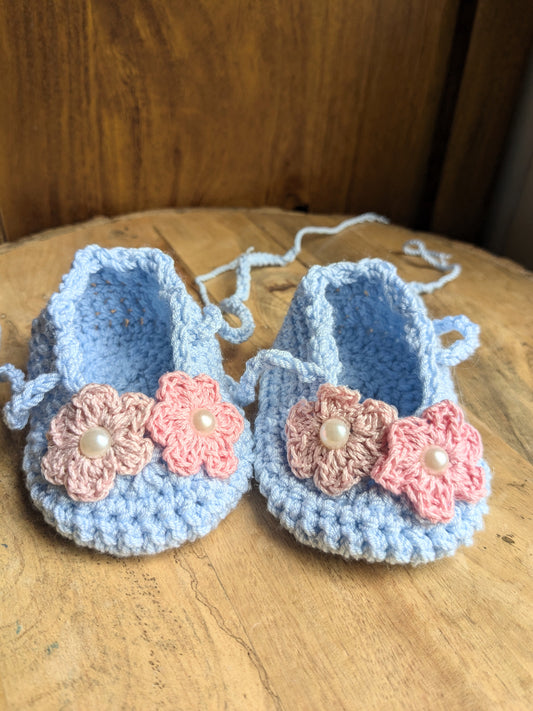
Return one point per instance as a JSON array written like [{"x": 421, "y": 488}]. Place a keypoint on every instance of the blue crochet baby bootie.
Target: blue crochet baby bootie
[
  {"x": 361, "y": 448},
  {"x": 135, "y": 442}
]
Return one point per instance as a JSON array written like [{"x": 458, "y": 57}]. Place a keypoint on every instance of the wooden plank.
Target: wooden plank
[
  {"x": 247, "y": 617},
  {"x": 499, "y": 48},
  {"x": 114, "y": 107}
]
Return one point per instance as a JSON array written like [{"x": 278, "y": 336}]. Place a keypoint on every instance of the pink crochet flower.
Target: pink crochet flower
[
  {"x": 195, "y": 426},
  {"x": 94, "y": 437},
  {"x": 433, "y": 460},
  {"x": 337, "y": 439}
]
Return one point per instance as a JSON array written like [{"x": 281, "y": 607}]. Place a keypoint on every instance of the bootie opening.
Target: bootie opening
[
  {"x": 123, "y": 327},
  {"x": 373, "y": 332}
]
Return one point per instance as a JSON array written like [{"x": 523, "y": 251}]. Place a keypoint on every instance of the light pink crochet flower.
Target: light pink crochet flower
[
  {"x": 195, "y": 426},
  {"x": 433, "y": 460},
  {"x": 335, "y": 470},
  {"x": 94, "y": 437}
]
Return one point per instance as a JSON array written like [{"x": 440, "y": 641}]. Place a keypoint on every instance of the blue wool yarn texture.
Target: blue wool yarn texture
[
  {"x": 357, "y": 325},
  {"x": 123, "y": 318}
]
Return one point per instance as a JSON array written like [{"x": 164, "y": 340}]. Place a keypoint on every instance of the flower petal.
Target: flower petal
[
  {"x": 91, "y": 479},
  {"x": 67, "y": 427},
  {"x": 302, "y": 416},
  {"x": 176, "y": 386},
  {"x": 301, "y": 455},
  {"x": 469, "y": 446},
  {"x": 404, "y": 441},
  {"x": 132, "y": 453},
  {"x": 363, "y": 453},
  {"x": 166, "y": 419},
  {"x": 303, "y": 441},
  {"x": 184, "y": 456},
  {"x": 97, "y": 405},
  {"x": 136, "y": 408},
  {"x": 336, "y": 401},
  {"x": 206, "y": 391},
  {"x": 432, "y": 497},
  {"x": 469, "y": 482},
  {"x": 56, "y": 461},
  {"x": 372, "y": 416},
  {"x": 334, "y": 472},
  {"x": 230, "y": 423},
  {"x": 445, "y": 418},
  {"x": 396, "y": 468},
  {"x": 220, "y": 461}
]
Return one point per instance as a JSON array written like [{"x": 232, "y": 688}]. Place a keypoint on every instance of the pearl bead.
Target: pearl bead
[
  {"x": 95, "y": 442},
  {"x": 435, "y": 459},
  {"x": 204, "y": 421},
  {"x": 334, "y": 433}
]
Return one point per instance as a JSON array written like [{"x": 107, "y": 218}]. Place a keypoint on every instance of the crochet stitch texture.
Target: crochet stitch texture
[
  {"x": 172, "y": 426},
  {"x": 123, "y": 318},
  {"x": 363, "y": 327},
  {"x": 123, "y": 419},
  {"x": 402, "y": 468},
  {"x": 335, "y": 470}
]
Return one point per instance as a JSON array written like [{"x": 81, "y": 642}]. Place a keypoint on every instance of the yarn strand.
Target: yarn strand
[
  {"x": 26, "y": 395},
  {"x": 439, "y": 260},
  {"x": 273, "y": 358},
  {"x": 244, "y": 264}
]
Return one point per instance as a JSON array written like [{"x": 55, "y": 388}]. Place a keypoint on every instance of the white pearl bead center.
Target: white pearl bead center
[
  {"x": 95, "y": 442},
  {"x": 204, "y": 422},
  {"x": 334, "y": 433},
  {"x": 435, "y": 459}
]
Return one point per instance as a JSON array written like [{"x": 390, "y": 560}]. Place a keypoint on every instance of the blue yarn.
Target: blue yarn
[
  {"x": 358, "y": 325},
  {"x": 244, "y": 264},
  {"x": 363, "y": 327},
  {"x": 25, "y": 395},
  {"x": 272, "y": 358},
  {"x": 439, "y": 260},
  {"x": 122, "y": 317}
]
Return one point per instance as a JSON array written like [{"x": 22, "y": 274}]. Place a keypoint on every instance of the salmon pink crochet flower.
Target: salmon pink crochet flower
[
  {"x": 433, "y": 460},
  {"x": 94, "y": 437},
  {"x": 336, "y": 440},
  {"x": 195, "y": 426}
]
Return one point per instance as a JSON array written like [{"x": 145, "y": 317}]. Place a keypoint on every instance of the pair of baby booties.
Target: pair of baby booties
[{"x": 138, "y": 441}]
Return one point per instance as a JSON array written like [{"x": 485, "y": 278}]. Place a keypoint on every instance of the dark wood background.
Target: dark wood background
[{"x": 400, "y": 106}]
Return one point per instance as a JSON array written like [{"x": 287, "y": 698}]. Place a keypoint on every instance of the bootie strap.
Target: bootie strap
[
  {"x": 243, "y": 265},
  {"x": 26, "y": 394}
]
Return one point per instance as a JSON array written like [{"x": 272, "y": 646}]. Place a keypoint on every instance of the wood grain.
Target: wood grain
[
  {"x": 500, "y": 45},
  {"x": 110, "y": 107},
  {"x": 246, "y": 617}
]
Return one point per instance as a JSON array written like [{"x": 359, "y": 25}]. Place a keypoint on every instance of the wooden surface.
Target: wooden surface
[
  {"x": 500, "y": 44},
  {"x": 400, "y": 107},
  {"x": 110, "y": 107},
  {"x": 247, "y": 618}
]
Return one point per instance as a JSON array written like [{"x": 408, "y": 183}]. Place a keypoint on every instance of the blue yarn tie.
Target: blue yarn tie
[
  {"x": 461, "y": 349},
  {"x": 439, "y": 260},
  {"x": 243, "y": 265},
  {"x": 273, "y": 358},
  {"x": 26, "y": 395}
]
